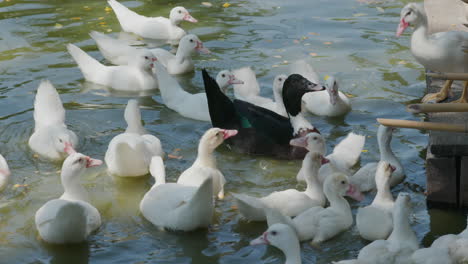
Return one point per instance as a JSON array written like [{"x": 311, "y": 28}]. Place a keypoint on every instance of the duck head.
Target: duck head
[
  {"x": 278, "y": 83},
  {"x": 383, "y": 174},
  {"x": 215, "y": 136},
  {"x": 412, "y": 14},
  {"x": 339, "y": 183},
  {"x": 4, "y": 172},
  {"x": 313, "y": 142},
  {"x": 279, "y": 235},
  {"x": 332, "y": 89},
  {"x": 144, "y": 59},
  {"x": 226, "y": 78},
  {"x": 190, "y": 43},
  {"x": 63, "y": 142},
  {"x": 295, "y": 86},
  {"x": 179, "y": 13},
  {"x": 75, "y": 164}
]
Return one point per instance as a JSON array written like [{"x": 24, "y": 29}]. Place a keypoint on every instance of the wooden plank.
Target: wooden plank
[
  {"x": 464, "y": 182},
  {"x": 441, "y": 180},
  {"x": 443, "y": 144}
]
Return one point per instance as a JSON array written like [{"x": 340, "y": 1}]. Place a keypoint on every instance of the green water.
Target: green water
[{"x": 353, "y": 40}]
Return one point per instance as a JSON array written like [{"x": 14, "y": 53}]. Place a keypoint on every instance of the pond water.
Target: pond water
[{"x": 353, "y": 40}]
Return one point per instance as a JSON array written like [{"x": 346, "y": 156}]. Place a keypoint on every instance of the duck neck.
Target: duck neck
[
  {"x": 314, "y": 188},
  {"x": 383, "y": 193},
  {"x": 421, "y": 31},
  {"x": 182, "y": 55},
  {"x": 401, "y": 227},
  {"x": 299, "y": 123},
  {"x": 73, "y": 190},
  {"x": 205, "y": 157},
  {"x": 337, "y": 201},
  {"x": 279, "y": 101},
  {"x": 293, "y": 253},
  {"x": 386, "y": 152}
]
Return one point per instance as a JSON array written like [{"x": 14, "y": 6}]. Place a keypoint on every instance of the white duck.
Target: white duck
[
  {"x": 330, "y": 102},
  {"x": 205, "y": 165},
  {"x": 401, "y": 243},
  {"x": 130, "y": 153},
  {"x": 445, "y": 249},
  {"x": 318, "y": 223},
  {"x": 4, "y": 173},
  {"x": 284, "y": 238},
  {"x": 70, "y": 218},
  {"x": 442, "y": 52},
  {"x": 249, "y": 90},
  {"x": 364, "y": 178},
  {"x": 290, "y": 202},
  {"x": 344, "y": 155},
  {"x": 175, "y": 206},
  {"x": 51, "y": 138},
  {"x": 120, "y": 53},
  {"x": 375, "y": 221},
  {"x": 153, "y": 27},
  {"x": 135, "y": 77},
  {"x": 194, "y": 106}
]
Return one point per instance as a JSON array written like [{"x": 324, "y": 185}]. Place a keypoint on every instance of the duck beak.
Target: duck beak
[
  {"x": 315, "y": 87},
  {"x": 401, "y": 27},
  {"x": 228, "y": 133},
  {"x": 299, "y": 142},
  {"x": 92, "y": 162},
  {"x": 189, "y": 18},
  {"x": 234, "y": 80},
  {"x": 202, "y": 49},
  {"x": 69, "y": 148},
  {"x": 354, "y": 193},
  {"x": 324, "y": 160},
  {"x": 261, "y": 240},
  {"x": 392, "y": 168}
]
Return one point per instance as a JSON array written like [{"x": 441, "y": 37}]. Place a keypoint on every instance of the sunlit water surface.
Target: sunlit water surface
[{"x": 353, "y": 40}]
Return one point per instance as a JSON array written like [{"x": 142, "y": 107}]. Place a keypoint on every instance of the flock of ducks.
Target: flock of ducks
[{"x": 250, "y": 124}]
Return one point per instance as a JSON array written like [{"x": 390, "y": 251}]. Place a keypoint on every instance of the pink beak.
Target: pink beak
[
  {"x": 234, "y": 80},
  {"x": 392, "y": 168},
  {"x": 325, "y": 160},
  {"x": 154, "y": 59},
  {"x": 401, "y": 27},
  {"x": 69, "y": 148},
  {"x": 190, "y": 18},
  {"x": 354, "y": 193},
  {"x": 202, "y": 49},
  {"x": 228, "y": 133},
  {"x": 299, "y": 142},
  {"x": 261, "y": 240},
  {"x": 92, "y": 162}
]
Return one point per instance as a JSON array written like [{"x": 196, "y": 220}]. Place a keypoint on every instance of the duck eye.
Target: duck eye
[
  {"x": 314, "y": 138},
  {"x": 191, "y": 40},
  {"x": 343, "y": 182},
  {"x": 223, "y": 75},
  {"x": 408, "y": 13},
  {"x": 180, "y": 11},
  {"x": 146, "y": 57},
  {"x": 280, "y": 79},
  {"x": 274, "y": 233},
  {"x": 60, "y": 140}
]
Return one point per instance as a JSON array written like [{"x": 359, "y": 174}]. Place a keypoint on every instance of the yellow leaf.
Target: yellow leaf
[
  {"x": 234, "y": 207},
  {"x": 226, "y": 5},
  {"x": 380, "y": 9},
  {"x": 87, "y": 8},
  {"x": 177, "y": 149},
  {"x": 326, "y": 77},
  {"x": 359, "y": 14},
  {"x": 328, "y": 43},
  {"x": 75, "y": 18},
  {"x": 313, "y": 54},
  {"x": 313, "y": 33},
  {"x": 102, "y": 23},
  {"x": 365, "y": 150},
  {"x": 269, "y": 40},
  {"x": 274, "y": 66},
  {"x": 107, "y": 9},
  {"x": 208, "y": 4},
  {"x": 36, "y": 155},
  {"x": 109, "y": 30},
  {"x": 173, "y": 156},
  {"x": 100, "y": 18},
  {"x": 402, "y": 62},
  {"x": 277, "y": 56},
  {"x": 350, "y": 95},
  {"x": 57, "y": 26}
]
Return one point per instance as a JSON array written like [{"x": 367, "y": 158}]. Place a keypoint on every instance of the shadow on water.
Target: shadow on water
[{"x": 70, "y": 254}]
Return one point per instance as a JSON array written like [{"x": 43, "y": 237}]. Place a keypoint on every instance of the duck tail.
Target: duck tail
[
  {"x": 348, "y": 151},
  {"x": 48, "y": 108},
  {"x": 113, "y": 50},
  {"x": 92, "y": 69},
  {"x": 125, "y": 16},
  {"x": 221, "y": 108}
]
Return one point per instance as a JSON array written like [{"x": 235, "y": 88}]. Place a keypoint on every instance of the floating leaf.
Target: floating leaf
[
  {"x": 296, "y": 41},
  {"x": 380, "y": 9},
  {"x": 57, "y": 26},
  {"x": 402, "y": 62},
  {"x": 177, "y": 149},
  {"x": 268, "y": 40},
  {"x": 208, "y": 4},
  {"x": 285, "y": 62},
  {"x": 234, "y": 207},
  {"x": 326, "y": 77},
  {"x": 313, "y": 33},
  {"x": 226, "y": 5},
  {"x": 313, "y": 54},
  {"x": 75, "y": 18},
  {"x": 277, "y": 56},
  {"x": 87, "y": 8},
  {"x": 275, "y": 65},
  {"x": 102, "y": 23},
  {"x": 328, "y": 43},
  {"x": 107, "y": 9},
  {"x": 350, "y": 95},
  {"x": 359, "y": 14},
  {"x": 304, "y": 38},
  {"x": 36, "y": 155},
  {"x": 100, "y": 18},
  {"x": 109, "y": 30},
  {"x": 365, "y": 150},
  {"x": 174, "y": 156}
]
